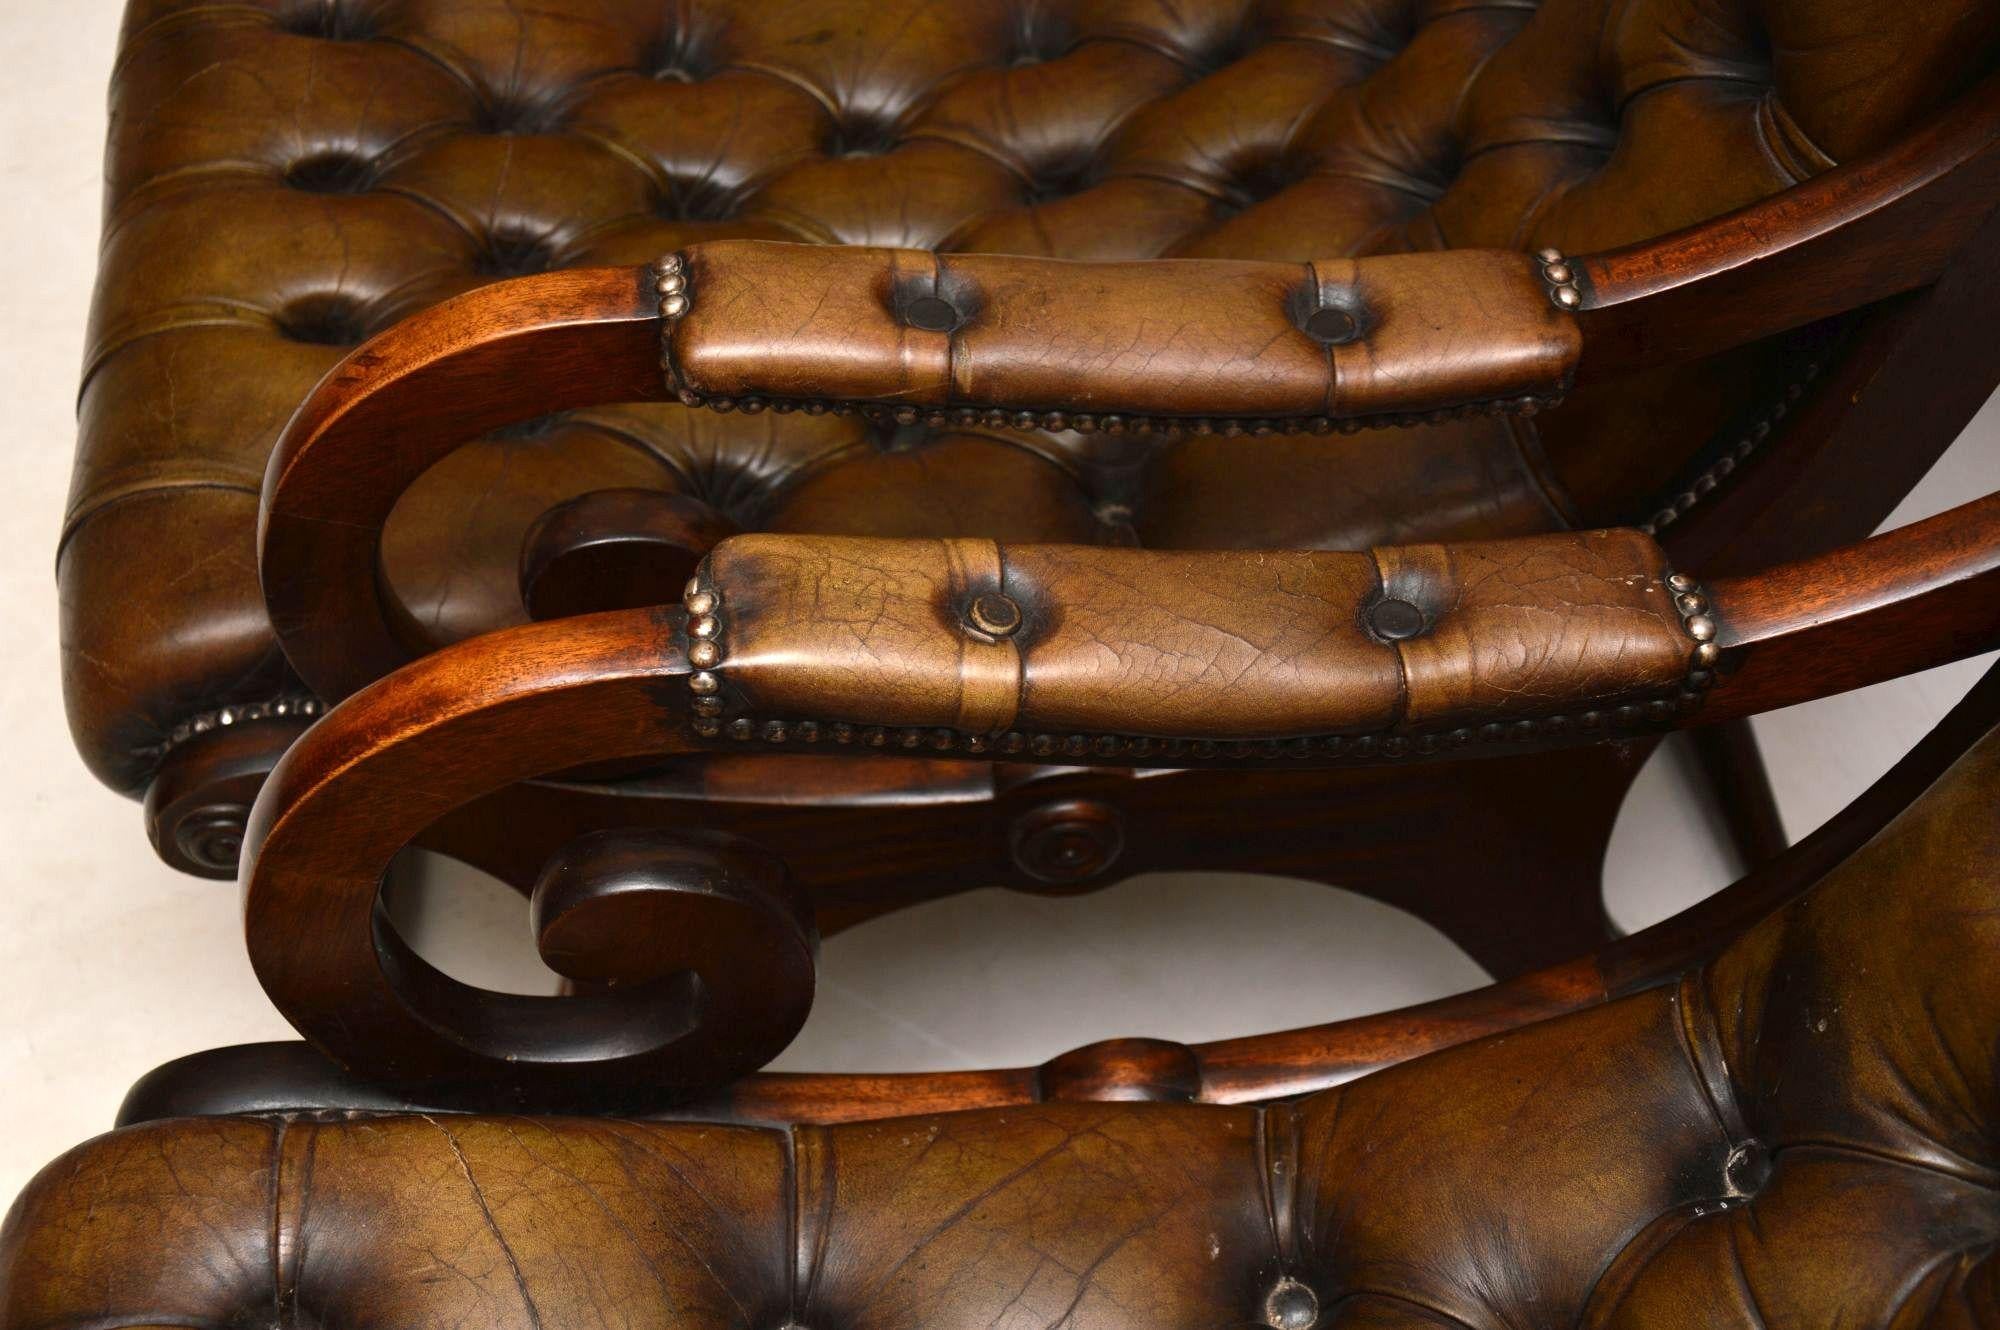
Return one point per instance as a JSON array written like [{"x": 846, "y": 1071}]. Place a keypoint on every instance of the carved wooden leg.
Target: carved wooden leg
[
  {"x": 1503, "y": 856},
  {"x": 200, "y": 799},
  {"x": 1733, "y": 763}
]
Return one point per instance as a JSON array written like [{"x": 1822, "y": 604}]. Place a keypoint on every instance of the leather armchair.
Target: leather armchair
[
  {"x": 732, "y": 469},
  {"x": 1106, "y": 275}
]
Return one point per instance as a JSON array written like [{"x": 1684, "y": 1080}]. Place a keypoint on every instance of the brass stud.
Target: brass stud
[
  {"x": 1691, "y": 602},
  {"x": 1701, "y": 628},
  {"x": 739, "y": 729},
  {"x": 704, "y": 684},
  {"x": 1558, "y": 273},
  {"x": 674, "y": 306},
  {"x": 672, "y": 284},
  {"x": 700, "y": 602},
  {"x": 707, "y": 706},
  {"x": 704, "y": 626},
  {"x": 1680, "y": 582},
  {"x": 1707, "y": 654},
  {"x": 1568, "y": 297},
  {"x": 704, "y": 655},
  {"x": 1550, "y": 255},
  {"x": 707, "y": 729}
]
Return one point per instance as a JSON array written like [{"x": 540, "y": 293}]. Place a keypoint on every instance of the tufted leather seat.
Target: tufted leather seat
[
  {"x": 1802, "y": 1133},
  {"x": 287, "y": 176}
]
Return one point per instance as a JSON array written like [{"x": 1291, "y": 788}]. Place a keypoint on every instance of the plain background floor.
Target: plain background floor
[{"x": 110, "y": 964}]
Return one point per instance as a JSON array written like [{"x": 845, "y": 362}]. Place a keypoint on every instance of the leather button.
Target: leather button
[
  {"x": 994, "y": 614},
  {"x": 1395, "y": 620},
  {"x": 1290, "y": 1305},
  {"x": 1746, "y": 1170},
  {"x": 932, "y": 314},
  {"x": 1332, "y": 326}
]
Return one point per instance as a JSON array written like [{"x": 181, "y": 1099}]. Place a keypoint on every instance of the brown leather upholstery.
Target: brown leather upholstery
[
  {"x": 1800, "y": 1135},
  {"x": 285, "y": 176},
  {"x": 981, "y": 638},
  {"x": 1327, "y": 339}
]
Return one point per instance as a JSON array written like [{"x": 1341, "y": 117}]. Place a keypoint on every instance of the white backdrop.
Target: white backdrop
[{"x": 110, "y": 964}]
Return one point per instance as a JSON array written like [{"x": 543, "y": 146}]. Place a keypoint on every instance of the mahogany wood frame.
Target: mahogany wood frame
[
  {"x": 1869, "y": 232},
  {"x": 512, "y": 705},
  {"x": 294, "y": 1078}
]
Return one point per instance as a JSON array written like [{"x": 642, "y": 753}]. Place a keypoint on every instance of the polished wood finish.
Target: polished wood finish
[
  {"x": 471, "y": 364},
  {"x": 619, "y": 549},
  {"x": 291, "y": 1077},
  {"x": 1912, "y": 598},
  {"x": 1732, "y": 764},
  {"x": 1844, "y": 239},
  {"x": 197, "y": 806},
  {"x": 479, "y": 717}
]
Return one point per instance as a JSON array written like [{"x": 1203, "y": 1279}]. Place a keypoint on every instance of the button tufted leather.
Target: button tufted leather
[
  {"x": 1802, "y": 1133},
  {"x": 1250, "y": 645},
  {"x": 917, "y": 332},
  {"x": 285, "y": 177}
]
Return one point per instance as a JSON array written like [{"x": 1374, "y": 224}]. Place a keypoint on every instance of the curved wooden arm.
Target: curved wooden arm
[
  {"x": 1164, "y": 346},
  {"x": 521, "y": 703},
  {"x": 291, "y": 1078}
]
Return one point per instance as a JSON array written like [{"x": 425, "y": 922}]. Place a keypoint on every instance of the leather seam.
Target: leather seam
[{"x": 83, "y": 515}]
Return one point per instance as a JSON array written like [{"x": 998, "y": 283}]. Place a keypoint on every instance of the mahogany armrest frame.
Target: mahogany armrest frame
[
  {"x": 264, "y": 1078},
  {"x": 524, "y": 702},
  {"x": 1164, "y": 346},
  {"x": 452, "y": 727}
]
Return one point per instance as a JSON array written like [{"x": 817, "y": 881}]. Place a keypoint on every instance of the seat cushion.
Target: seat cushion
[
  {"x": 285, "y": 177},
  {"x": 1803, "y": 1134}
]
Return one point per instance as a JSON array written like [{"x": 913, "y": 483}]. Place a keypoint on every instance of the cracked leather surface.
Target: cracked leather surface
[
  {"x": 285, "y": 177},
  {"x": 1801, "y": 1135},
  {"x": 1423, "y": 332},
  {"x": 1229, "y": 644}
]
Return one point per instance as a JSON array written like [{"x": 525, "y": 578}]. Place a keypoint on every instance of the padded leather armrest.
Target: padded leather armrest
[
  {"x": 980, "y": 638},
  {"x": 1089, "y": 345}
]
